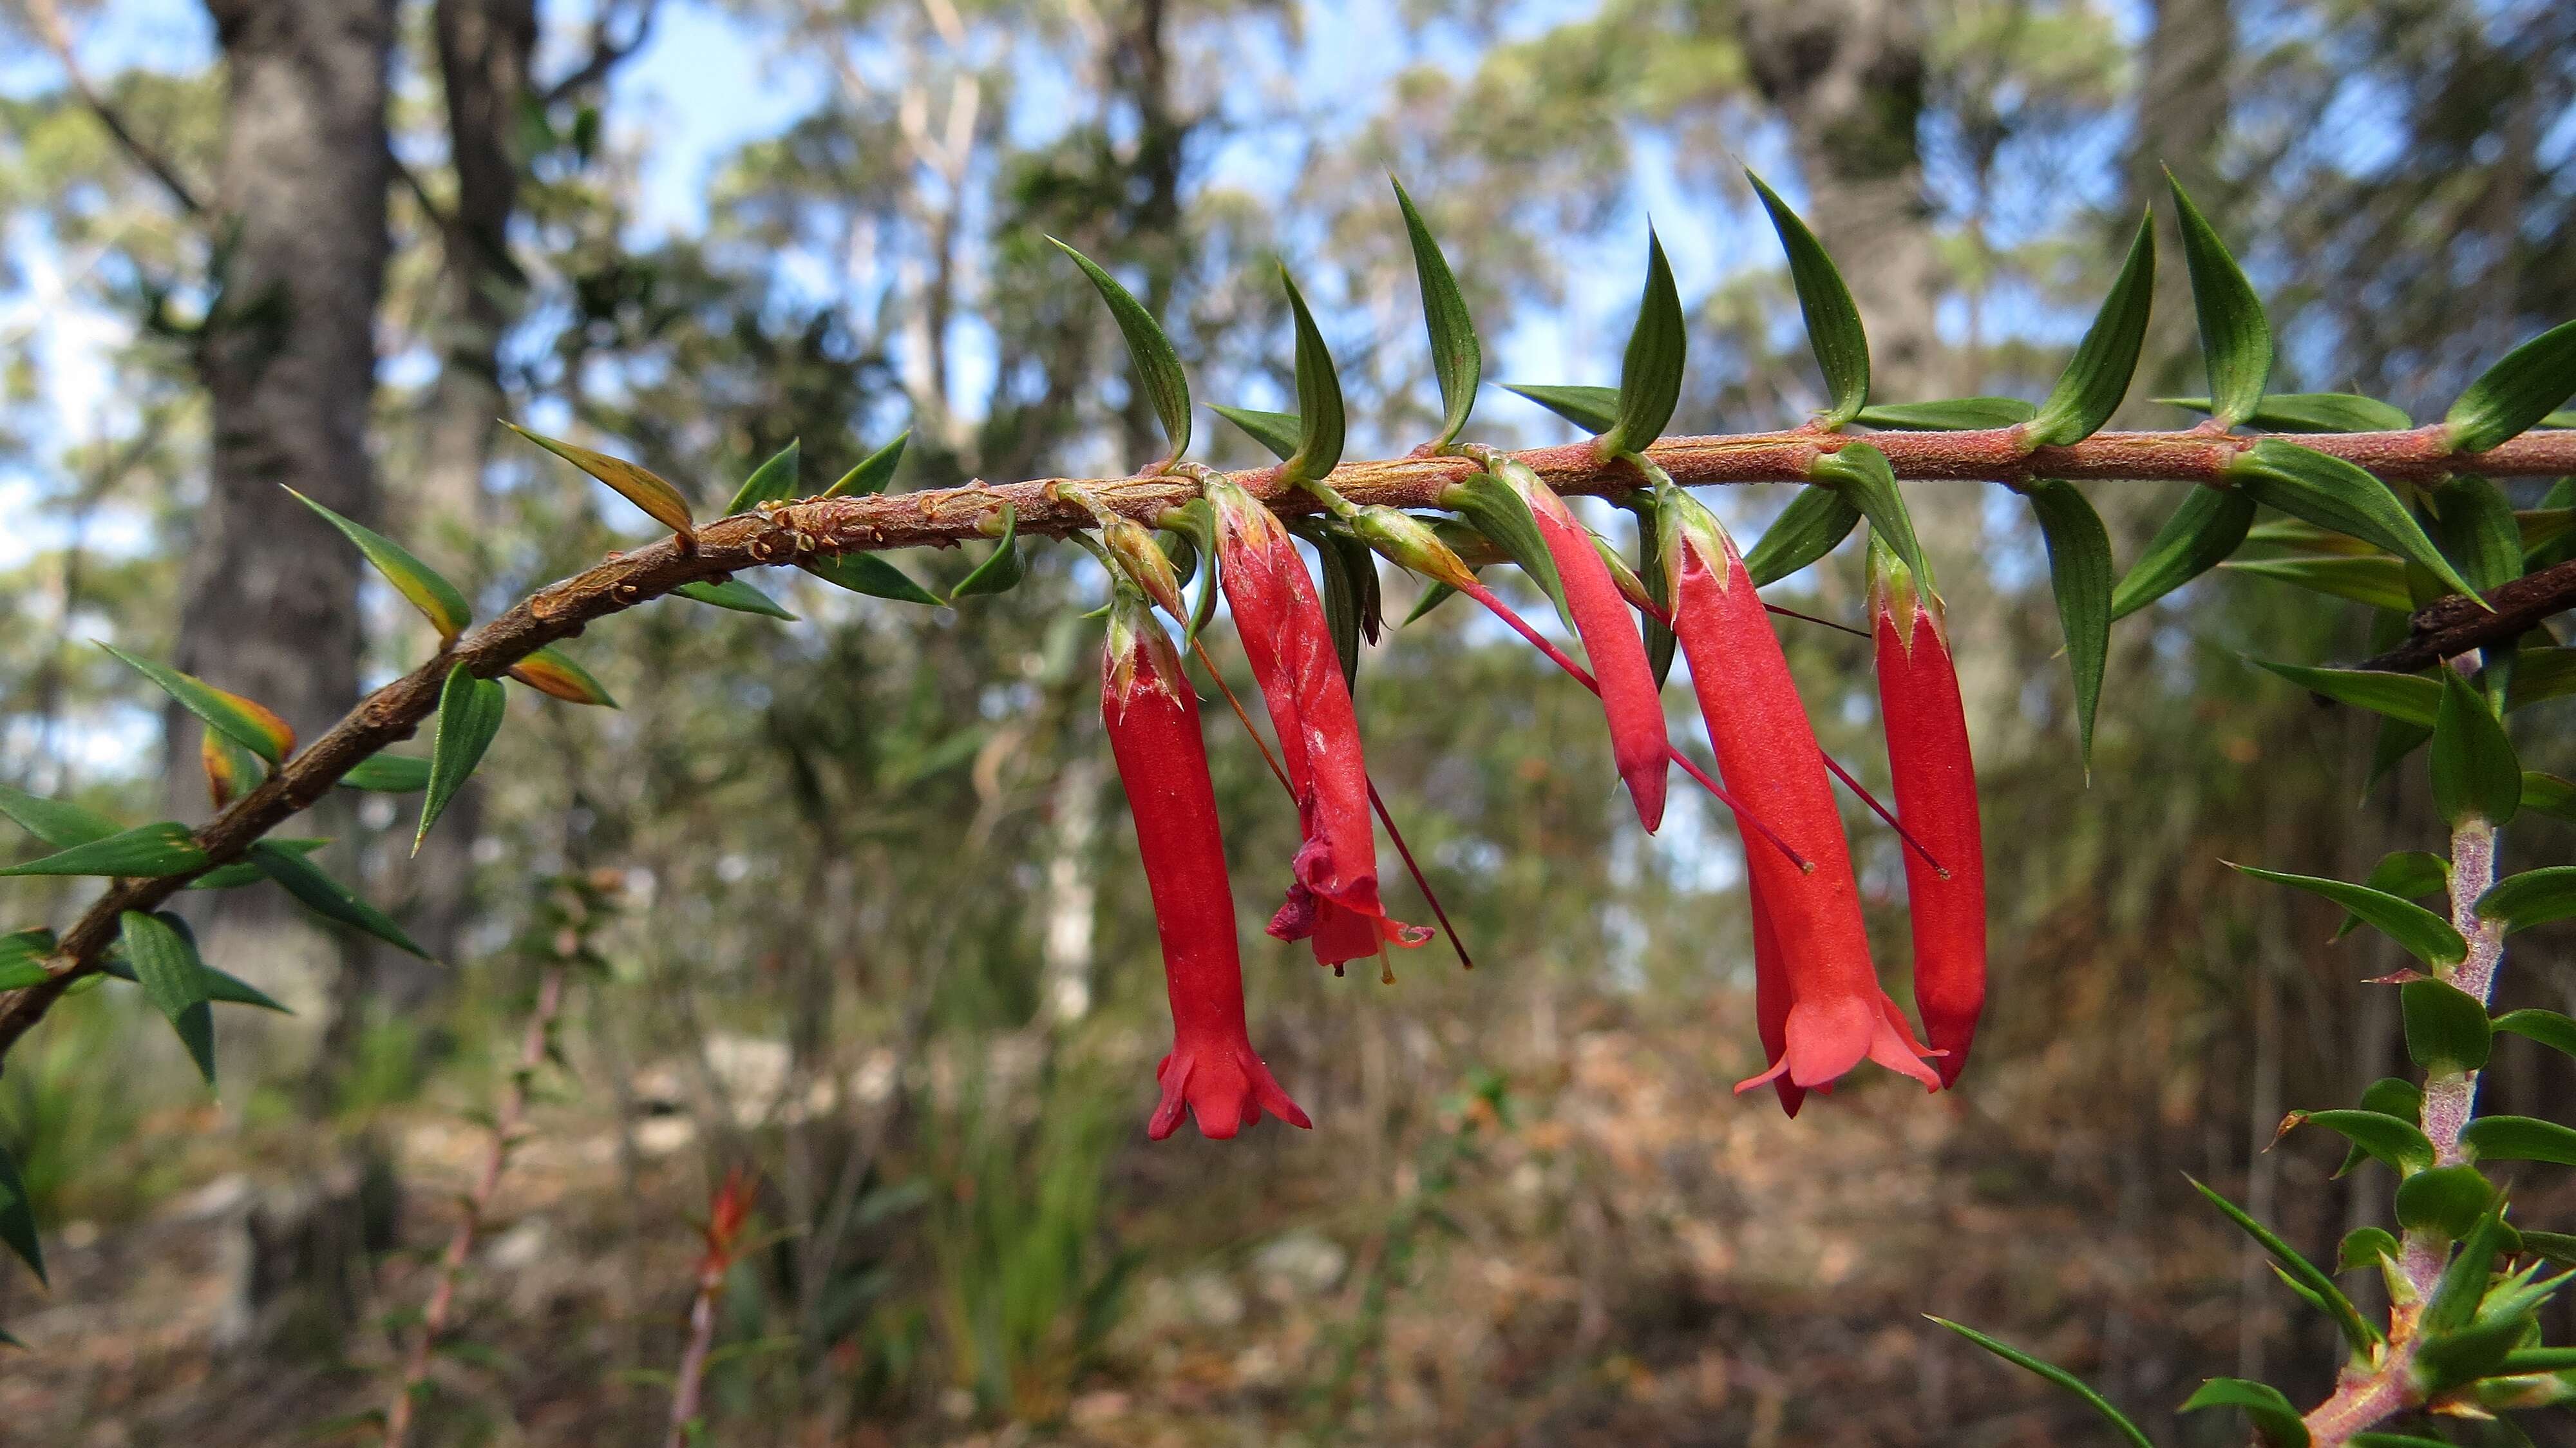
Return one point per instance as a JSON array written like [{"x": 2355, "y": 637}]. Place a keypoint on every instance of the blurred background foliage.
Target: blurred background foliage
[{"x": 879, "y": 929}]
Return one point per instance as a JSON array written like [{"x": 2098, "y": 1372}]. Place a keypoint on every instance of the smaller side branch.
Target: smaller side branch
[
  {"x": 47, "y": 20},
  {"x": 2453, "y": 626}
]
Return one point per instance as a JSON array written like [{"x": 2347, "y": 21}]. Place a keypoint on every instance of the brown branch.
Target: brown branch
[
  {"x": 2449, "y": 627},
  {"x": 607, "y": 52},
  {"x": 944, "y": 517},
  {"x": 57, "y": 37}
]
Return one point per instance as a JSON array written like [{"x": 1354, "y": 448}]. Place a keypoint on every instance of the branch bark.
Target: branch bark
[
  {"x": 2450, "y": 627},
  {"x": 944, "y": 517}
]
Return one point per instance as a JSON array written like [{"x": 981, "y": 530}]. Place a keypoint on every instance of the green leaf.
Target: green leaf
[
  {"x": 253, "y": 726},
  {"x": 874, "y": 471},
  {"x": 1196, "y": 519},
  {"x": 2235, "y": 338},
  {"x": 2520, "y": 1138},
  {"x": 1503, "y": 516},
  {"x": 2401, "y": 1144},
  {"x": 2449, "y": 1359},
  {"x": 867, "y": 573},
  {"x": 144, "y": 852},
  {"x": 387, "y": 774},
  {"x": 1833, "y": 322},
  {"x": 771, "y": 481},
  {"x": 2365, "y": 1247},
  {"x": 2299, "y": 1270},
  {"x": 327, "y": 897},
  {"x": 1650, "y": 375},
  {"x": 1661, "y": 642},
  {"x": 166, "y": 966},
  {"x": 2446, "y": 1027},
  {"x": 2534, "y": 897},
  {"x": 1278, "y": 431},
  {"x": 18, "y": 1217},
  {"x": 2410, "y": 698},
  {"x": 437, "y": 599},
  {"x": 557, "y": 675},
  {"x": 2394, "y": 1440},
  {"x": 1862, "y": 473},
  {"x": 2200, "y": 534},
  {"x": 1341, "y": 599},
  {"x": 53, "y": 821},
  {"x": 2332, "y": 493},
  {"x": 2313, "y": 412},
  {"x": 2055, "y": 1374},
  {"x": 1816, "y": 520},
  {"x": 2549, "y": 794},
  {"x": 1002, "y": 569},
  {"x": 469, "y": 714},
  {"x": 2558, "y": 1247},
  {"x": 2079, "y": 572},
  {"x": 2449, "y": 1200},
  {"x": 2426, "y": 936},
  {"x": 2477, "y": 526},
  {"x": 2376, "y": 580},
  {"x": 1158, "y": 367},
  {"x": 2464, "y": 1282},
  {"x": 2540, "y": 673},
  {"x": 1593, "y": 409},
  {"x": 1457, "y": 358},
  {"x": 2517, "y": 393},
  {"x": 2475, "y": 773},
  {"x": 1319, "y": 397},
  {"x": 2274, "y": 1420},
  {"x": 2540, "y": 530},
  {"x": 2413, "y": 874},
  {"x": 736, "y": 595},
  {"x": 1954, "y": 414},
  {"x": 2549, "y": 1028},
  {"x": 2097, "y": 377},
  {"x": 238, "y": 873},
  {"x": 659, "y": 500},
  {"x": 22, "y": 958}
]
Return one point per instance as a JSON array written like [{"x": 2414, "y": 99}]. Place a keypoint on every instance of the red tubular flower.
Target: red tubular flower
[
  {"x": 1766, "y": 751},
  {"x": 1629, "y": 698},
  {"x": 1936, "y": 795},
  {"x": 1153, "y": 723},
  {"x": 1333, "y": 898}
]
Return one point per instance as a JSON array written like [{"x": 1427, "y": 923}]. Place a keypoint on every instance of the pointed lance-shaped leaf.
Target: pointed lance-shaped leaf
[
  {"x": 238, "y": 873},
  {"x": 770, "y": 482},
  {"x": 2055, "y": 1374},
  {"x": 1833, "y": 322},
  {"x": 2475, "y": 773},
  {"x": 1650, "y": 374},
  {"x": 1953, "y": 414},
  {"x": 18, "y": 1217},
  {"x": 873, "y": 472},
  {"x": 1319, "y": 397},
  {"x": 231, "y": 770},
  {"x": 1503, "y": 516},
  {"x": 1593, "y": 409},
  {"x": 56, "y": 822},
  {"x": 2079, "y": 570},
  {"x": 2549, "y": 794},
  {"x": 2409, "y": 874},
  {"x": 166, "y": 966},
  {"x": 2376, "y": 580},
  {"x": 1861, "y": 473},
  {"x": 437, "y": 599},
  {"x": 1196, "y": 519},
  {"x": 1158, "y": 367},
  {"x": 2332, "y": 493},
  {"x": 2534, "y": 897},
  {"x": 387, "y": 774},
  {"x": 2549, "y": 1028},
  {"x": 145, "y": 852},
  {"x": 2207, "y": 527},
  {"x": 1457, "y": 358},
  {"x": 327, "y": 897},
  {"x": 254, "y": 726},
  {"x": 633, "y": 482},
  {"x": 2520, "y": 1138},
  {"x": 867, "y": 573},
  {"x": 2517, "y": 393},
  {"x": 22, "y": 958},
  {"x": 1815, "y": 521},
  {"x": 1278, "y": 431},
  {"x": 2446, "y": 1027},
  {"x": 2426, "y": 936},
  {"x": 2298, "y": 1269},
  {"x": 2312, "y": 412},
  {"x": 469, "y": 714},
  {"x": 2235, "y": 337},
  {"x": 552, "y": 672},
  {"x": 2407, "y": 698},
  {"x": 2275, "y": 1421},
  {"x": 1002, "y": 569},
  {"x": 2097, "y": 377},
  {"x": 734, "y": 594},
  {"x": 1341, "y": 593},
  {"x": 2400, "y": 1143},
  {"x": 2476, "y": 525},
  {"x": 1661, "y": 642},
  {"x": 222, "y": 988}
]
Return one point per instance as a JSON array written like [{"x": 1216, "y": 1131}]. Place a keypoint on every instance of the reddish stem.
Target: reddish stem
[{"x": 1456, "y": 943}]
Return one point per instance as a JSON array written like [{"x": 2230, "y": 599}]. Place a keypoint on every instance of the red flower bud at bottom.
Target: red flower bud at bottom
[
  {"x": 1936, "y": 795},
  {"x": 1153, "y": 724}
]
